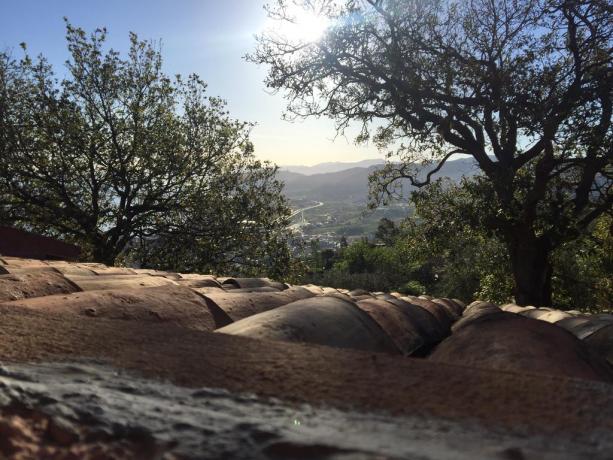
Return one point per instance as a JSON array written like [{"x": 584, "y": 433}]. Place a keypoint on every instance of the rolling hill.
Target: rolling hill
[
  {"x": 351, "y": 183},
  {"x": 331, "y": 167}
]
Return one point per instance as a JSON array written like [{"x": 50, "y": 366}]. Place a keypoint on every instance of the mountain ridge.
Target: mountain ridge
[
  {"x": 351, "y": 184},
  {"x": 331, "y": 166}
]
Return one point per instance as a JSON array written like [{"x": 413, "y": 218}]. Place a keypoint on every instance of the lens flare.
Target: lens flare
[{"x": 299, "y": 24}]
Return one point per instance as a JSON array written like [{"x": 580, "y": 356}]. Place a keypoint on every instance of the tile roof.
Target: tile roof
[{"x": 310, "y": 344}]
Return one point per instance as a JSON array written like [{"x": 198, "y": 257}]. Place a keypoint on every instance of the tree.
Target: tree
[
  {"x": 387, "y": 232},
  {"x": 584, "y": 269},
  {"x": 522, "y": 86},
  {"x": 450, "y": 239},
  {"x": 237, "y": 226},
  {"x": 366, "y": 266},
  {"x": 117, "y": 153}
]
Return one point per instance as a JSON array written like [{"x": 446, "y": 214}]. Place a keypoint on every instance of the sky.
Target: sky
[{"x": 207, "y": 37}]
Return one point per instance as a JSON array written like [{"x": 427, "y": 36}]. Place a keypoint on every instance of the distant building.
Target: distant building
[{"x": 19, "y": 243}]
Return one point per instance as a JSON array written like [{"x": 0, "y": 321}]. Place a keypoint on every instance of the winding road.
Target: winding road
[{"x": 295, "y": 213}]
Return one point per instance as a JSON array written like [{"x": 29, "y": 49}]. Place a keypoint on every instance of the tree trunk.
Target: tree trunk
[
  {"x": 105, "y": 255},
  {"x": 532, "y": 269}
]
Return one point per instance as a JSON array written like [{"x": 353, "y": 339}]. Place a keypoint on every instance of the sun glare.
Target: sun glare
[{"x": 300, "y": 25}]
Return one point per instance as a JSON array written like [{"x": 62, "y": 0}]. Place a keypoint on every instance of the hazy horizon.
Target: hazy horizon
[{"x": 205, "y": 37}]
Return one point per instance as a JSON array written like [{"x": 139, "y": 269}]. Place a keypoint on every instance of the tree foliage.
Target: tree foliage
[
  {"x": 523, "y": 86},
  {"x": 238, "y": 225},
  {"x": 446, "y": 250},
  {"x": 118, "y": 155},
  {"x": 387, "y": 232},
  {"x": 449, "y": 236},
  {"x": 367, "y": 265}
]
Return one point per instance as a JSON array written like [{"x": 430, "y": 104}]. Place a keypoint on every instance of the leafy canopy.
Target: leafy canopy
[
  {"x": 117, "y": 154},
  {"x": 523, "y": 86}
]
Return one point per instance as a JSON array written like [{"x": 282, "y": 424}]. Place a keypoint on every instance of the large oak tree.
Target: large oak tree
[
  {"x": 117, "y": 155},
  {"x": 522, "y": 86}
]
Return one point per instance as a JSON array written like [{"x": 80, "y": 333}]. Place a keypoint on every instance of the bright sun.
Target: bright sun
[{"x": 303, "y": 25}]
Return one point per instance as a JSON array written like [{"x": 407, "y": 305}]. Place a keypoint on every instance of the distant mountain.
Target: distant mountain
[
  {"x": 351, "y": 184},
  {"x": 331, "y": 167}
]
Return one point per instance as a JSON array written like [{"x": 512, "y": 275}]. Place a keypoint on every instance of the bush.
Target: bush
[{"x": 412, "y": 288}]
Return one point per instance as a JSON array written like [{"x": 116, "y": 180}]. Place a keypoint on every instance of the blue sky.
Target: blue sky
[{"x": 207, "y": 37}]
